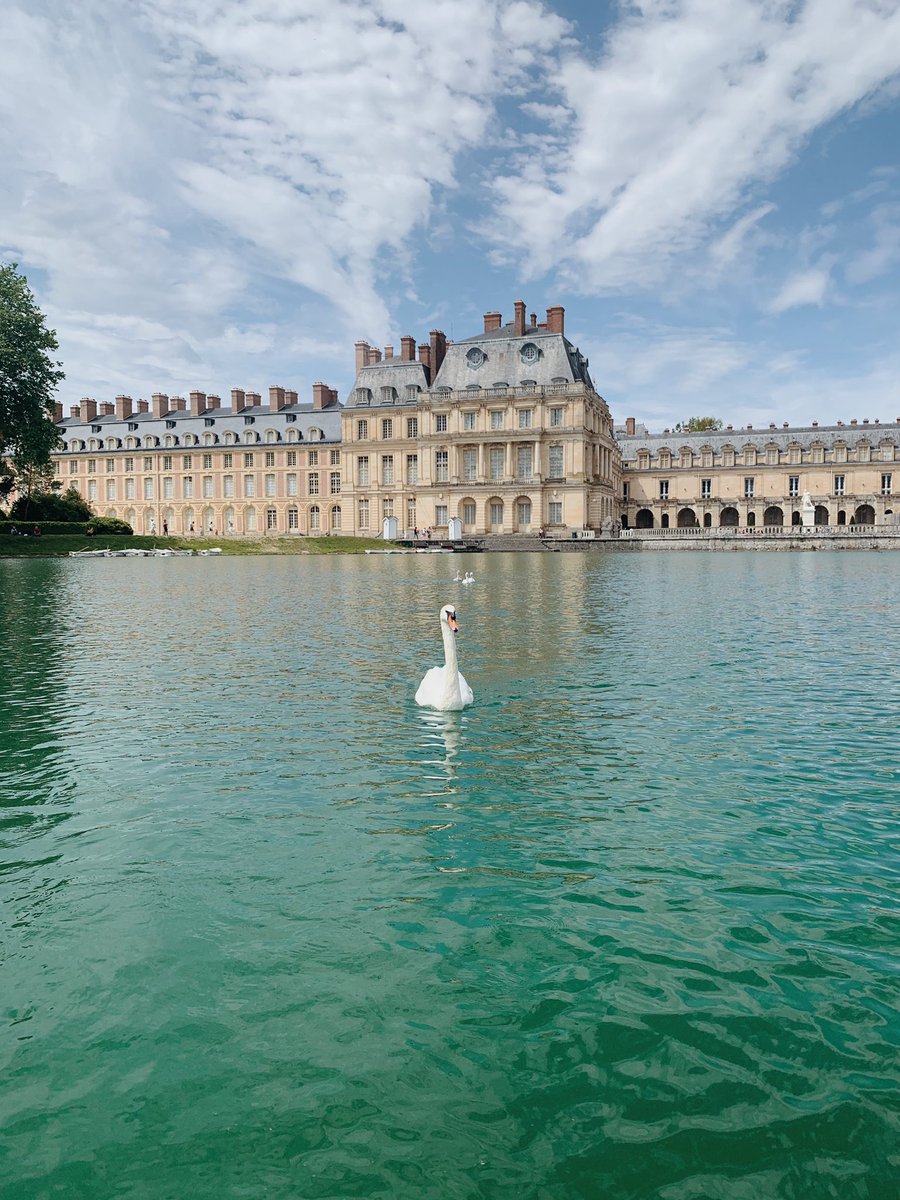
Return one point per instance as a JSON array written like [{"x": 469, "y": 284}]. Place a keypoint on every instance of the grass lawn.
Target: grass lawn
[{"x": 58, "y": 545}]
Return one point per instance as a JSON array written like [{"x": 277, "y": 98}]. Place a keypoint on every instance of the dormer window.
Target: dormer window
[
  {"x": 96, "y": 428},
  {"x": 170, "y": 424},
  {"x": 209, "y": 421},
  {"x": 249, "y": 420},
  {"x": 529, "y": 353},
  {"x": 475, "y": 357}
]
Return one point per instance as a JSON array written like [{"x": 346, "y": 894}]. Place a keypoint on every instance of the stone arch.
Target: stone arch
[
  {"x": 686, "y": 519},
  {"x": 865, "y": 515},
  {"x": 707, "y": 520},
  {"x": 644, "y": 519},
  {"x": 495, "y": 511},
  {"x": 773, "y": 516},
  {"x": 522, "y": 514},
  {"x": 208, "y": 519},
  {"x": 248, "y": 519},
  {"x": 821, "y": 517},
  {"x": 335, "y": 517},
  {"x": 315, "y": 519},
  {"x": 188, "y": 520},
  {"x": 728, "y": 517},
  {"x": 795, "y": 517},
  {"x": 149, "y": 521},
  {"x": 841, "y": 517},
  {"x": 664, "y": 521},
  {"x": 228, "y": 521}
]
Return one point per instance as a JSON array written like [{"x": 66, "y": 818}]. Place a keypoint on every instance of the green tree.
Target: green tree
[
  {"x": 28, "y": 378},
  {"x": 52, "y": 505},
  {"x": 698, "y": 424}
]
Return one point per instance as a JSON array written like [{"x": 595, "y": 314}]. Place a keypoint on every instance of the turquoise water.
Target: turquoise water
[{"x": 627, "y": 927}]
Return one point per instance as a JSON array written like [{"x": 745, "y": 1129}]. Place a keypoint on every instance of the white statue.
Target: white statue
[{"x": 807, "y": 511}]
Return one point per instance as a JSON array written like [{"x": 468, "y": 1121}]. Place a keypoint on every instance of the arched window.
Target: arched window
[
  {"x": 230, "y": 438},
  {"x": 271, "y": 436},
  {"x": 292, "y": 435},
  {"x": 169, "y": 441},
  {"x": 315, "y": 519},
  {"x": 336, "y": 517}
]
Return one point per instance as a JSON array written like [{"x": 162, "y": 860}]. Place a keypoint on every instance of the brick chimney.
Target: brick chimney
[
  {"x": 629, "y": 426},
  {"x": 106, "y": 409},
  {"x": 177, "y": 404},
  {"x": 323, "y": 396},
  {"x": 160, "y": 404},
  {"x": 75, "y": 412},
  {"x": 556, "y": 319},
  {"x": 408, "y": 349},
  {"x": 362, "y": 355},
  {"x": 519, "y": 323},
  {"x": 253, "y": 399},
  {"x": 57, "y": 413},
  {"x": 492, "y": 320},
  {"x": 143, "y": 406},
  {"x": 198, "y": 403},
  {"x": 276, "y": 399},
  {"x": 290, "y": 397},
  {"x": 123, "y": 407},
  {"x": 88, "y": 409},
  {"x": 438, "y": 350},
  {"x": 213, "y": 402},
  {"x": 389, "y": 352},
  {"x": 374, "y": 356},
  {"x": 238, "y": 400}
]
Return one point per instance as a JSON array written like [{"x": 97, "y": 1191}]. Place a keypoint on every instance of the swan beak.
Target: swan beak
[{"x": 452, "y": 622}]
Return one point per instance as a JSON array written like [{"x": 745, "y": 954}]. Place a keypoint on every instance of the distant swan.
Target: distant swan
[
  {"x": 469, "y": 577},
  {"x": 444, "y": 687},
  {"x": 457, "y": 578}
]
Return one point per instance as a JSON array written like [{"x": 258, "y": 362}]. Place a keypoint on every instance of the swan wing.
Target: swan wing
[
  {"x": 431, "y": 688},
  {"x": 465, "y": 691}
]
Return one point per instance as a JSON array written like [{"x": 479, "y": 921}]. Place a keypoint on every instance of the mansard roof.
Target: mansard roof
[
  {"x": 717, "y": 439},
  {"x": 537, "y": 356}
]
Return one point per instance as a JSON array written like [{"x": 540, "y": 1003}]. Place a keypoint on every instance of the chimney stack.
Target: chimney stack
[
  {"x": 323, "y": 396},
  {"x": 198, "y": 403},
  {"x": 408, "y": 349},
  {"x": 276, "y": 399},
  {"x": 556, "y": 319},
  {"x": 160, "y": 404},
  {"x": 534, "y": 320},
  {"x": 143, "y": 406},
  {"x": 57, "y": 413},
  {"x": 362, "y": 355},
  {"x": 438, "y": 350},
  {"x": 492, "y": 320},
  {"x": 290, "y": 397},
  {"x": 88, "y": 409},
  {"x": 629, "y": 426},
  {"x": 388, "y": 352},
  {"x": 213, "y": 402},
  {"x": 519, "y": 324},
  {"x": 178, "y": 403},
  {"x": 106, "y": 409},
  {"x": 238, "y": 400},
  {"x": 123, "y": 407},
  {"x": 252, "y": 399},
  {"x": 75, "y": 412},
  {"x": 374, "y": 355}
]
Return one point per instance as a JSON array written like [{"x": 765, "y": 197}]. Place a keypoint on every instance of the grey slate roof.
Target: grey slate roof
[{"x": 805, "y": 437}]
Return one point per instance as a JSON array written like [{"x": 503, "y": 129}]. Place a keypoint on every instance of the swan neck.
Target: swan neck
[{"x": 449, "y": 647}]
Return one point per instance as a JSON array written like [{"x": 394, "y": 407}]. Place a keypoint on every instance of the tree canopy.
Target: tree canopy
[
  {"x": 698, "y": 424},
  {"x": 29, "y": 376}
]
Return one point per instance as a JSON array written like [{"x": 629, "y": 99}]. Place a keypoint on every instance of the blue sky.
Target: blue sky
[{"x": 210, "y": 195}]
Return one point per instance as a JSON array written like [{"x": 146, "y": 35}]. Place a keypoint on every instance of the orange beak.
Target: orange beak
[{"x": 452, "y": 622}]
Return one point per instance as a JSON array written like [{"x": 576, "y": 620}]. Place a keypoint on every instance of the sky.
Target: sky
[{"x": 207, "y": 195}]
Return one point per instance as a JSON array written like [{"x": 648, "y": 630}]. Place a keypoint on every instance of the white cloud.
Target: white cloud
[
  {"x": 692, "y": 104},
  {"x": 805, "y": 287},
  {"x": 884, "y": 252}
]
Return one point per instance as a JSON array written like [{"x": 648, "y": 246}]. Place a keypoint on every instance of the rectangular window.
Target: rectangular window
[
  {"x": 556, "y": 470},
  {"x": 387, "y": 468},
  {"x": 293, "y": 518},
  {"x": 498, "y": 462},
  {"x": 886, "y": 484},
  {"x": 270, "y": 485},
  {"x": 270, "y": 458},
  {"x": 168, "y": 487},
  {"x": 292, "y": 484},
  {"x": 207, "y": 462},
  {"x": 362, "y": 431},
  {"x": 188, "y": 486},
  {"x": 249, "y": 485},
  {"x": 148, "y": 463},
  {"x": 664, "y": 489},
  {"x": 248, "y": 460},
  {"x": 313, "y": 458},
  {"x": 526, "y": 416},
  {"x": 129, "y": 465},
  {"x": 470, "y": 465},
  {"x": 412, "y": 427},
  {"x": 207, "y": 487},
  {"x": 271, "y": 518},
  {"x": 334, "y": 483},
  {"x": 362, "y": 470},
  {"x": 167, "y": 462},
  {"x": 410, "y": 514},
  {"x": 793, "y": 485},
  {"x": 228, "y": 460},
  {"x": 148, "y": 489},
  {"x": 524, "y": 462},
  {"x": 625, "y": 492},
  {"x": 496, "y": 418},
  {"x": 469, "y": 513},
  {"x": 292, "y": 458},
  {"x": 705, "y": 489},
  {"x": 863, "y": 454},
  {"x": 749, "y": 486},
  {"x": 387, "y": 428},
  {"x": 440, "y": 423},
  {"x": 335, "y": 458},
  {"x": 363, "y": 520},
  {"x": 228, "y": 486},
  {"x": 129, "y": 489},
  {"x": 496, "y": 515},
  {"x": 186, "y": 462},
  {"x": 441, "y": 466},
  {"x": 110, "y": 489},
  {"x": 556, "y": 417},
  {"x": 440, "y": 514},
  {"x": 468, "y": 421},
  {"x": 554, "y": 512},
  {"x": 412, "y": 469},
  {"x": 387, "y": 507},
  {"x": 110, "y": 466},
  {"x": 92, "y": 489},
  {"x": 73, "y": 467},
  {"x": 312, "y": 483}
]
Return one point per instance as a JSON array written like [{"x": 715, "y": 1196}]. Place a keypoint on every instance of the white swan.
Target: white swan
[
  {"x": 469, "y": 577},
  {"x": 457, "y": 578},
  {"x": 444, "y": 687}
]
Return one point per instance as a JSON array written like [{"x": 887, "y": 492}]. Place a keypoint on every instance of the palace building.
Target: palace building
[{"x": 501, "y": 433}]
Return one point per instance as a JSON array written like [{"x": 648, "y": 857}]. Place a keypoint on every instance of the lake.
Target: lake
[{"x": 625, "y": 928}]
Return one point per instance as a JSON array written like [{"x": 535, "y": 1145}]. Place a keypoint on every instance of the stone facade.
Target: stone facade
[
  {"x": 756, "y": 478},
  {"x": 503, "y": 431}
]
